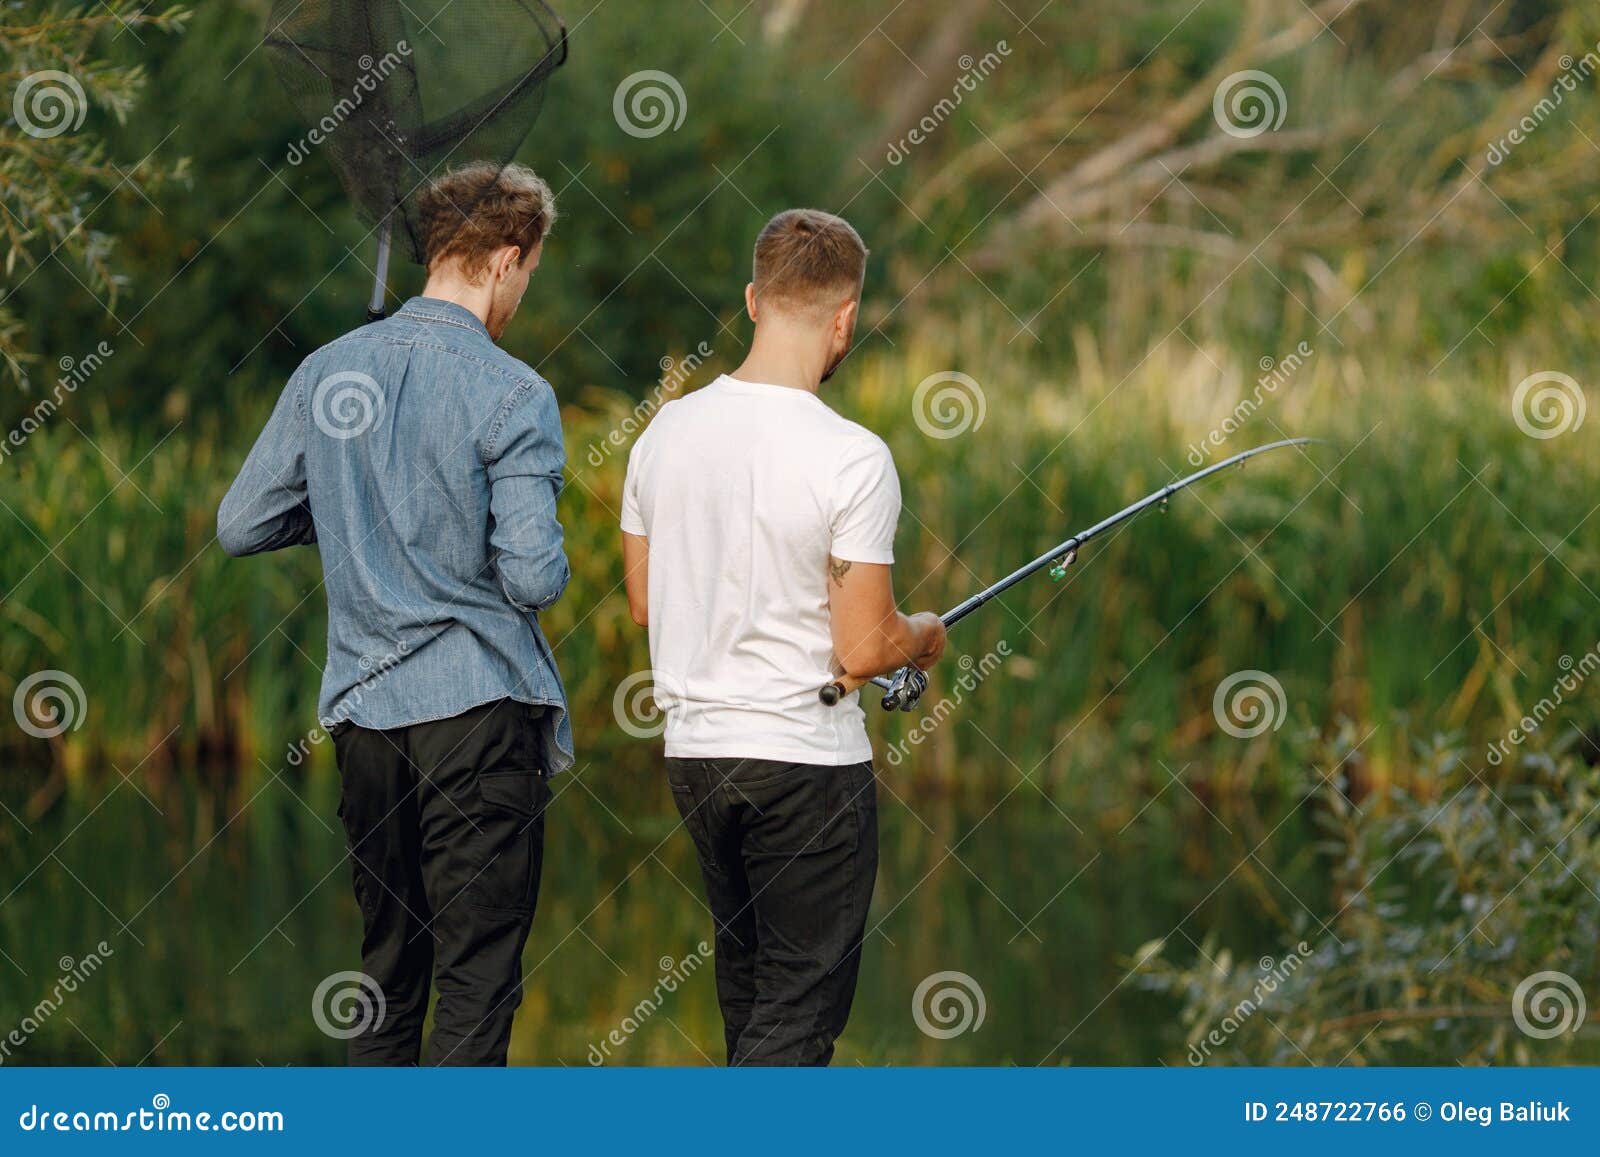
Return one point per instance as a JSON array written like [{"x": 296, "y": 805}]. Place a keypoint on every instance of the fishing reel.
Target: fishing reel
[{"x": 905, "y": 689}]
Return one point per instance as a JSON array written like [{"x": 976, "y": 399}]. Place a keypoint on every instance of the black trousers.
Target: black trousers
[
  {"x": 789, "y": 853},
  {"x": 446, "y": 828}
]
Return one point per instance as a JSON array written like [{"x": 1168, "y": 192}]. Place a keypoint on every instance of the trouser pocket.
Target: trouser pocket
[{"x": 509, "y": 818}]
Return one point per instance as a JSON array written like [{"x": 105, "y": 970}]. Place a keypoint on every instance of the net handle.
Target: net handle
[{"x": 376, "y": 306}]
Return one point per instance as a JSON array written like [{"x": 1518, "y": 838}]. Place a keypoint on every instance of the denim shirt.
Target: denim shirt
[{"x": 424, "y": 462}]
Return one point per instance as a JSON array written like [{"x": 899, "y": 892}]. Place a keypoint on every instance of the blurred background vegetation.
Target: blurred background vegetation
[{"x": 1117, "y": 273}]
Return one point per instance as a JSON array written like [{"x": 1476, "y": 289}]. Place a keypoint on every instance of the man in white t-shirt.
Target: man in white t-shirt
[{"x": 758, "y": 529}]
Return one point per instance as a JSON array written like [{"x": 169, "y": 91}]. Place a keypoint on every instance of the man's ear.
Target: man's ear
[
  {"x": 506, "y": 260},
  {"x": 844, "y": 321},
  {"x": 750, "y": 300}
]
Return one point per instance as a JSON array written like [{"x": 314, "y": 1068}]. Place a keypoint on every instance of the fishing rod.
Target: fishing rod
[{"x": 905, "y": 688}]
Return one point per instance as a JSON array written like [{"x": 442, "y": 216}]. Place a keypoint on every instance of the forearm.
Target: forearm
[
  {"x": 636, "y": 576},
  {"x": 896, "y": 643}
]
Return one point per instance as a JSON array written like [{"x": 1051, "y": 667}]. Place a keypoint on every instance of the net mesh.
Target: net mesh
[{"x": 397, "y": 91}]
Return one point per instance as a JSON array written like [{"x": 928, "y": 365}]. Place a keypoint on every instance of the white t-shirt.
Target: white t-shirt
[{"x": 744, "y": 490}]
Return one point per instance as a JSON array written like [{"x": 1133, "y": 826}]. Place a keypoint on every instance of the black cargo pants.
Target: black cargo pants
[{"x": 445, "y": 822}]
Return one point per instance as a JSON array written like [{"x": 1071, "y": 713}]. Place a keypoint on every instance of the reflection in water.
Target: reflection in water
[{"x": 224, "y": 919}]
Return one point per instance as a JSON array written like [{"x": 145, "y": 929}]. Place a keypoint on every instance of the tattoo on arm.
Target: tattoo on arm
[{"x": 837, "y": 569}]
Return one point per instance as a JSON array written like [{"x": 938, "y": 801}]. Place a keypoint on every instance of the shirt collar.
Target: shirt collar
[
  {"x": 445, "y": 312},
  {"x": 763, "y": 389}
]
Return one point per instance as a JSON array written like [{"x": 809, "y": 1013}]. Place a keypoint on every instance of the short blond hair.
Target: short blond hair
[
  {"x": 471, "y": 211},
  {"x": 809, "y": 260}
]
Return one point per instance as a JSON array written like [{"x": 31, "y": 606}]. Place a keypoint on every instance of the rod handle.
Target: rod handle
[{"x": 833, "y": 693}]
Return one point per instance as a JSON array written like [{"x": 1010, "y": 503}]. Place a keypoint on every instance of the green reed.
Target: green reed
[{"x": 1424, "y": 571}]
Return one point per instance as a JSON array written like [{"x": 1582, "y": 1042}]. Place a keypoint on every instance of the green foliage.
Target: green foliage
[
  {"x": 265, "y": 260},
  {"x": 1245, "y": 245},
  {"x": 1447, "y": 907},
  {"x": 56, "y": 167}
]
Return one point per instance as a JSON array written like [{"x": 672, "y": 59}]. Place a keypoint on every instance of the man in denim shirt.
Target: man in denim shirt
[{"x": 424, "y": 462}]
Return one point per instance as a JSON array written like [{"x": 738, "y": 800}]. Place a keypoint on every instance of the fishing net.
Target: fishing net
[{"x": 397, "y": 91}]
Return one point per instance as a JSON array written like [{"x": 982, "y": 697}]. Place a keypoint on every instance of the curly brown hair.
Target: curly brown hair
[{"x": 471, "y": 211}]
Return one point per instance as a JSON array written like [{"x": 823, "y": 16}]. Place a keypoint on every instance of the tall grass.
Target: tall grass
[{"x": 1424, "y": 571}]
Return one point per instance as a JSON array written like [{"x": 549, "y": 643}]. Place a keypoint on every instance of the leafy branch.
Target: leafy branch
[{"x": 56, "y": 169}]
